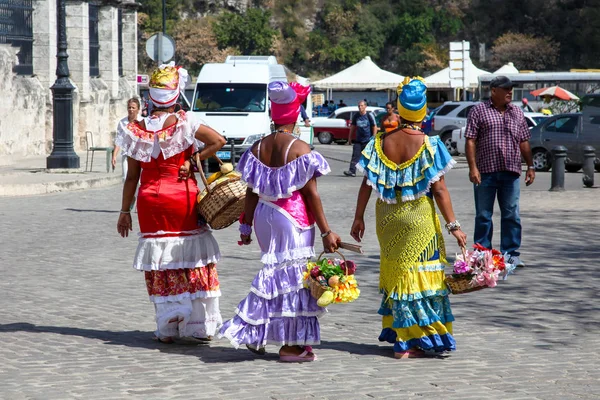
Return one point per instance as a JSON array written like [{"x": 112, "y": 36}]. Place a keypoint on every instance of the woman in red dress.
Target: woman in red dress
[{"x": 178, "y": 256}]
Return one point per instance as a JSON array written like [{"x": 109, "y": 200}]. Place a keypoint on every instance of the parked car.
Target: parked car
[
  {"x": 336, "y": 127},
  {"x": 451, "y": 115},
  {"x": 458, "y": 135},
  {"x": 574, "y": 131}
]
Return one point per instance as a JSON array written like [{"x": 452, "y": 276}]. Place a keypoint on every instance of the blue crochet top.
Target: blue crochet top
[{"x": 411, "y": 179}]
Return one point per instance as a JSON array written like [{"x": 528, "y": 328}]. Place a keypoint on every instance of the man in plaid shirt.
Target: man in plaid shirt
[{"x": 497, "y": 137}]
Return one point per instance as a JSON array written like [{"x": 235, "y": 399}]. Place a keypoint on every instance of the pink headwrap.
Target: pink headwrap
[{"x": 286, "y": 100}]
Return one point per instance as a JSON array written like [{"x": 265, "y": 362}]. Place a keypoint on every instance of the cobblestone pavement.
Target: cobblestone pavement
[{"x": 76, "y": 322}]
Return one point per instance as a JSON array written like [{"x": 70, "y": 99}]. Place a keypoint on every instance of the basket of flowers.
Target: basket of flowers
[
  {"x": 477, "y": 269},
  {"x": 331, "y": 280}
]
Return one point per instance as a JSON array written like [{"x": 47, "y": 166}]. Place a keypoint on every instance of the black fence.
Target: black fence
[
  {"x": 94, "y": 42},
  {"x": 16, "y": 28},
  {"x": 120, "y": 37}
]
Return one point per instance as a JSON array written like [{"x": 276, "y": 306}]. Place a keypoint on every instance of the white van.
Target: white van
[{"x": 232, "y": 99}]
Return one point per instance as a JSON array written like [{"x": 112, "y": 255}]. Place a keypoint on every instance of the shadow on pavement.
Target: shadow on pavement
[{"x": 98, "y": 211}]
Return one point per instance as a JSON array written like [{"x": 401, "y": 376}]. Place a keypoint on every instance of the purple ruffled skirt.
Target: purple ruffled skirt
[{"x": 278, "y": 310}]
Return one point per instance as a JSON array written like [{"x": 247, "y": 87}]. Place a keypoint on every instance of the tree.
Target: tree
[
  {"x": 250, "y": 32},
  {"x": 196, "y": 45},
  {"x": 525, "y": 51}
]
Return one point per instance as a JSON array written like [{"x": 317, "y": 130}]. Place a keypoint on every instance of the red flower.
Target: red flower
[{"x": 479, "y": 247}]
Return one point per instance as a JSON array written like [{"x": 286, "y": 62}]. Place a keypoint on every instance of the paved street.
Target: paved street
[{"x": 76, "y": 322}]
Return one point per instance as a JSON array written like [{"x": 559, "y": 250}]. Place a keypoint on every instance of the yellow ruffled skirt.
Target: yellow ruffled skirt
[{"x": 415, "y": 308}]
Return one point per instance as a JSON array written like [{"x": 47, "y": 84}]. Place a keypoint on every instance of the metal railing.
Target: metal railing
[{"x": 16, "y": 28}]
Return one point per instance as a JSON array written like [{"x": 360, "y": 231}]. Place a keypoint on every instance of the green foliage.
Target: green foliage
[
  {"x": 250, "y": 32},
  {"x": 152, "y": 23},
  {"x": 409, "y": 37}
]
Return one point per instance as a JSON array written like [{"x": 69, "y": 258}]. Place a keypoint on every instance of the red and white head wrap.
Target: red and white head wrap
[{"x": 166, "y": 83}]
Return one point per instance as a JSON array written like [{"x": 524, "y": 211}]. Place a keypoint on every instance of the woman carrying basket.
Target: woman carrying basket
[
  {"x": 407, "y": 169},
  {"x": 283, "y": 203},
  {"x": 177, "y": 255}
]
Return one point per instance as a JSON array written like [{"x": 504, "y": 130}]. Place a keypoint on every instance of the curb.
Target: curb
[{"x": 54, "y": 187}]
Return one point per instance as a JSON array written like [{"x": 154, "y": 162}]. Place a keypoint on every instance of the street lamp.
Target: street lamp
[{"x": 63, "y": 154}]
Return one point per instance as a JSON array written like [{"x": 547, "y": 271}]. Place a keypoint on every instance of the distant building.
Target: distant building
[{"x": 102, "y": 48}]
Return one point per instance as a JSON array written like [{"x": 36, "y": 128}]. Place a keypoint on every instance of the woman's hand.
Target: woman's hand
[
  {"x": 185, "y": 170},
  {"x": 460, "y": 236},
  {"x": 124, "y": 224},
  {"x": 245, "y": 240},
  {"x": 330, "y": 242},
  {"x": 358, "y": 229}
]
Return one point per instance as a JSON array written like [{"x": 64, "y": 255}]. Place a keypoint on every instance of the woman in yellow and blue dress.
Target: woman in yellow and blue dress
[{"x": 406, "y": 168}]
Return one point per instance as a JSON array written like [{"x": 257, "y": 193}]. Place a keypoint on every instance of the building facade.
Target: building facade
[{"x": 102, "y": 49}]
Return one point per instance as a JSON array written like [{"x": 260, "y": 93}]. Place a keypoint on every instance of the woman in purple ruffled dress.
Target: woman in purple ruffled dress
[{"x": 283, "y": 203}]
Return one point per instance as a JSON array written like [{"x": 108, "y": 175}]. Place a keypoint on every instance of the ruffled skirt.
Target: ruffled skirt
[
  {"x": 415, "y": 308},
  {"x": 278, "y": 310},
  {"x": 182, "y": 282}
]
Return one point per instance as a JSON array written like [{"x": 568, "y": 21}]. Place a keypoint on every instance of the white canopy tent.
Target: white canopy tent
[
  {"x": 441, "y": 79},
  {"x": 364, "y": 75},
  {"x": 507, "y": 69}
]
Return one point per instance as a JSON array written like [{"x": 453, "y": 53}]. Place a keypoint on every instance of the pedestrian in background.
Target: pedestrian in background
[
  {"x": 391, "y": 120},
  {"x": 133, "y": 114},
  {"x": 364, "y": 127},
  {"x": 497, "y": 138},
  {"x": 407, "y": 168}
]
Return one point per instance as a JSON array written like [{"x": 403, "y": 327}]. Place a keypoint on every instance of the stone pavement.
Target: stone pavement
[{"x": 76, "y": 322}]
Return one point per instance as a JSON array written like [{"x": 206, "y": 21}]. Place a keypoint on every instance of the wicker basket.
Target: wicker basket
[
  {"x": 223, "y": 204},
  {"x": 316, "y": 289},
  {"x": 461, "y": 284}
]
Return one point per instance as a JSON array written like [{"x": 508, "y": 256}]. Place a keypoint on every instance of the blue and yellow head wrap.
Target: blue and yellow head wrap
[{"x": 412, "y": 99}]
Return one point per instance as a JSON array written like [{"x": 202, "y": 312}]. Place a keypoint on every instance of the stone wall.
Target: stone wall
[
  {"x": 98, "y": 102},
  {"x": 22, "y": 109}
]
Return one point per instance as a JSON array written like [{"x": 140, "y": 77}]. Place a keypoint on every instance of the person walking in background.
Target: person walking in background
[
  {"x": 364, "y": 127},
  {"x": 177, "y": 255},
  {"x": 133, "y": 114},
  {"x": 342, "y": 104},
  {"x": 283, "y": 203},
  {"x": 407, "y": 168},
  {"x": 497, "y": 137}
]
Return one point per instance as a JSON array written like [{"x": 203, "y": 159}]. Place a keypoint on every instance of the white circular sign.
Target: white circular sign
[{"x": 168, "y": 47}]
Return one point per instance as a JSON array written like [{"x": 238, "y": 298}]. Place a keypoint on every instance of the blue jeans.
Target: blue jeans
[
  {"x": 505, "y": 185},
  {"x": 357, "y": 149}
]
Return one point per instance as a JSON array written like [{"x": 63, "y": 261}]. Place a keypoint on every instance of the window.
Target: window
[
  {"x": 464, "y": 113},
  {"x": 94, "y": 42},
  {"x": 120, "y": 38},
  {"x": 16, "y": 28},
  {"x": 345, "y": 115},
  {"x": 231, "y": 97},
  {"x": 563, "y": 125},
  {"x": 445, "y": 110}
]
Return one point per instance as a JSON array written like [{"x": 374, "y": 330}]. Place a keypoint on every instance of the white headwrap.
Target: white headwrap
[{"x": 166, "y": 87}]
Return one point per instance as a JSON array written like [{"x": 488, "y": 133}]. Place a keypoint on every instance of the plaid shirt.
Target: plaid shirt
[{"x": 497, "y": 137}]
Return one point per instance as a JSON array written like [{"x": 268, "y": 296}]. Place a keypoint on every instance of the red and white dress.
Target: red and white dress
[{"x": 178, "y": 256}]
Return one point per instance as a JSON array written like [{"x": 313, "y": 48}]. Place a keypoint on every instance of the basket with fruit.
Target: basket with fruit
[
  {"x": 331, "y": 280},
  {"x": 221, "y": 202}
]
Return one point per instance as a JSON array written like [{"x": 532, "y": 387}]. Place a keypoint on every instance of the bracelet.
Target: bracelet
[
  {"x": 245, "y": 229},
  {"x": 324, "y": 235},
  {"x": 125, "y": 212},
  {"x": 530, "y": 167},
  {"x": 452, "y": 226},
  {"x": 242, "y": 219}
]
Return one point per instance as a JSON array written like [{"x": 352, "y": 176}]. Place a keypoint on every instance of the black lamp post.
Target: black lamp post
[{"x": 63, "y": 154}]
